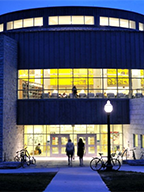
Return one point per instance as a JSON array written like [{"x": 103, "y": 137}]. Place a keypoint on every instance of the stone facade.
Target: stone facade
[{"x": 11, "y": 136}]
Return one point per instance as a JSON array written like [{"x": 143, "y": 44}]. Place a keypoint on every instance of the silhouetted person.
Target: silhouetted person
[
  {"x": 74, "y": 91},
  {"x": 80, "y": 151},
  {"x": 70, "y": 151}
]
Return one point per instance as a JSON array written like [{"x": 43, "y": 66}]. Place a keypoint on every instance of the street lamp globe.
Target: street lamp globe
[{"x": 108, "y": 107}]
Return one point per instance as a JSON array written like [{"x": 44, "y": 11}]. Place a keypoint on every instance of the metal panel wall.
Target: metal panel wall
[
  {"x": 80, "y": 49},
  {"x": 71, "y": 111}
]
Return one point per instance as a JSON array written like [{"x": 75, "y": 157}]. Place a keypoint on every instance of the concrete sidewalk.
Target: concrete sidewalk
[
  {"x": 76, "y": 179},
  {"x": 70, "y": 179}
]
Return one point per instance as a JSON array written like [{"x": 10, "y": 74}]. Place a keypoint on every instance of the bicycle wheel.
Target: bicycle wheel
[
  {"x": 142, "y": 157},
  {"x": 116, "y": 164},
  {"x": 95, "y": 164},
  {"x": 25, "y": 162},
  {"x": 33, "y": 160},
  {"x": 17, "y": 159}
]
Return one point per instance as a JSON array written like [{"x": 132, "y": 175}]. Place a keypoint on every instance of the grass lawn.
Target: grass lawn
[
  {"x": 123, "y": 181},
  {"x": 25, "y": 181}
]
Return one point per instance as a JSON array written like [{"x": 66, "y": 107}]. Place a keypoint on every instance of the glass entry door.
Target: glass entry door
[
  {"x": 90, "y": 143},
  {"x": 57, "y": 144}
]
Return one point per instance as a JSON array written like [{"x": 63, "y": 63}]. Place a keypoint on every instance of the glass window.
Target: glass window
[
  {"x": 53, "y": 20},
  {"x": 64, "y": 20},
  {"x": 89, "y": 20},
  {"x": 10, "y": 25},
  {"x": 53, "y": 129},
  {"x": 66, "y": 129},
  {"x": 39, "y": 129},
  {"x": 80, "y": 72},
  {"x": 28, "y": 129},
  {"x": 132, "y": 25},
  {"x": 80, "y": 128},
  {"x": 124, "y": 23},
  {"x": 136, "y": 73},
  {"x": 65, "y": 83},
  {"x": 142, "y": 141},
  {"x": 95, "y": 72},
  {"x": 111, "y": 72},
  {"x": 104, "y": 21},
  {"x": 135, "y": 140},
  {"x": 114, "y": 22},
  {"x": 35, "y": 73},
  {"x": 65, "y": 73},
  {"x": 23, "y": 74},
  {"x": 28, "y": 22},
  {"x": 77, "y": 20},
  {"x": 1, "y": 27},
  {"x": 38, "y": 21},
  {"x": 141, "y": 26},
  {"x": 123, "y": 73},
  {"x": 18, "y": 24}
]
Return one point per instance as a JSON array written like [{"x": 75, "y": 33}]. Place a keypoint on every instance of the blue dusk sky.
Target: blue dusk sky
[{"x": 15, "y": 5}]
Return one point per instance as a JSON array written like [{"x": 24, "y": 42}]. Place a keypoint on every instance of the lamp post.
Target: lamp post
[{"x": 108, "y": 109}]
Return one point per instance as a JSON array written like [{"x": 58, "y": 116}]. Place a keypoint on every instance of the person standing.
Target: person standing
[
  {"x": 74, "y": 91},
  {"x": 70, "y": 151},
  {"x": 80, "y": 152}
]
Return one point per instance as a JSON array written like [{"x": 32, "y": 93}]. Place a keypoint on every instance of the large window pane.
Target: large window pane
[
  {"x": 104, "y": 21},
  {"x": 95, "y": 83},
  {"x": 132, "y": 25},
  {"x": 80, "y": 83},
  {"x": 10, "y": 25},
  {"x": 124, "y": 23},
  {"x": 38, "y": 21},
  {"x": 53, "y": 20},
  {"x": 141, "y": 26},
  {"x": 18, "y": 24},
  {"x": 80, "y": 72},
  {"x": 64, "y": 20},
  {"x": 39, "y": 129},
  {"x": 1, "y": 27},
  {"x": 36, "y": 73},
  {"x": 23, "y": 74},
  {"x": 65, "y": 73},
  {"x": 65, "y": 83},
  {"x": 28, "y": 22},
  {"x": 78, "y": 20},
  {"x": 89, "y": 20},
  {"x": 114, "y": 22},
  {"x": 95, "y": 72}
]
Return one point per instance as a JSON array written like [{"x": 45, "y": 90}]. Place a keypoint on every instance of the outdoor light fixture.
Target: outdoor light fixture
[{"x": 108, "y": 109}]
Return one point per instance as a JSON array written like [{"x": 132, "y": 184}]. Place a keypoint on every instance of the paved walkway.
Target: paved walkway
[
  {"x": 71, "y": 179},
  {"x": 75, "y": 179}
]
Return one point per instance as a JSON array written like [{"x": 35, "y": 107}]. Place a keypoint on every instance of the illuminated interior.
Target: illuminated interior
[
  {"x": 53, "y": 138},
  {"x": 71, "y": 20},
  {"x": 35, "y": 84},
  {"x": 117, "y": 22},
  {"x": 1, "y": 27},
  {"x": 29, "y": 22}
]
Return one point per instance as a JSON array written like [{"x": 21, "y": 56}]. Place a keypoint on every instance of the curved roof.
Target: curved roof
[{"x": 96, "y": 12}]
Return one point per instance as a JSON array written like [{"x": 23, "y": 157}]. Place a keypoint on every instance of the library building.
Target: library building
[{"x": 58, "y": 68}]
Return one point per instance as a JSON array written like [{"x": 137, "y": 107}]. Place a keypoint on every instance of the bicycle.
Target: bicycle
[
  {"x": 24, "y": 157},
  {"x": 97, "y": 163},
  {"x": 133, "y": 153},
  {"x": 142, "y": 155},
  {"x": 17, "y": 157}
]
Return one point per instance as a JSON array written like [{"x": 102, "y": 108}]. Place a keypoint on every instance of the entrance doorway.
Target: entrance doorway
[
  {"x": 57, "y": 144},
  {"x": 90, "y": 143}
]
